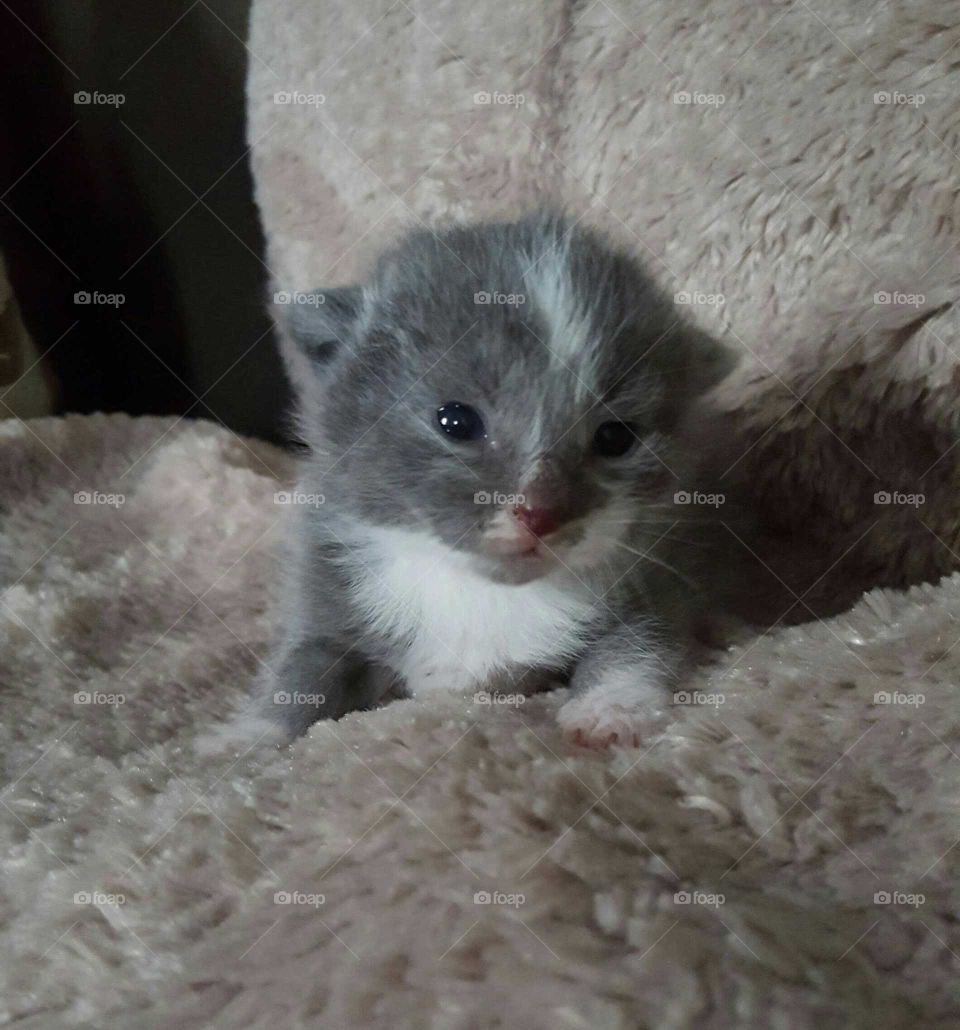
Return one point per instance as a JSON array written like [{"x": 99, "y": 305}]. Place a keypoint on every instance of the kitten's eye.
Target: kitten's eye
[
  {"x": 614, "y": 439},
  {"x": 460, "y": 421}
]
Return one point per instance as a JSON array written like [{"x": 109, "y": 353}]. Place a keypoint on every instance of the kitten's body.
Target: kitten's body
[{"x": 402, "y": 577}]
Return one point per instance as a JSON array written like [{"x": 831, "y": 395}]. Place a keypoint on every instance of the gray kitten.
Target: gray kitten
[{"x": 492, "y": 422}]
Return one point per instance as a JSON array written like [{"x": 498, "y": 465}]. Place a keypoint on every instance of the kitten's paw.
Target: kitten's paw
[{"x": 599, "y": 723}]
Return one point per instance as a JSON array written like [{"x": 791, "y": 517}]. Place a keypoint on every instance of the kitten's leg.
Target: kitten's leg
[
  {"x": 316, "y": 679},
  {"x": 621, "y": 689},
  {"x": 319, "y": 669},
  {"x": 307, "y": 680}
]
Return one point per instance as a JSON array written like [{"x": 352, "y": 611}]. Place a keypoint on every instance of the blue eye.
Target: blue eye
[{"x": 460, "y": 421}]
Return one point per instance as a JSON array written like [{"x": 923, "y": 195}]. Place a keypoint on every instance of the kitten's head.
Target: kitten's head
[{"x": 510, "y": 389}]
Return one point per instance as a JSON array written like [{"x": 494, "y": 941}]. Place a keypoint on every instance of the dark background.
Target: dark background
[{"x": 151, "y": 199}]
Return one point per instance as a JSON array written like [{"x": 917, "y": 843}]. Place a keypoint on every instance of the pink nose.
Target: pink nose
[{"x": 539, "y": 521}]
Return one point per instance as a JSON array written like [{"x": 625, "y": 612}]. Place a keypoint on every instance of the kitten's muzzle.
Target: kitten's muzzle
[
  {"x": 543, "y": 509},
  {"x": 537, "y": 519},
  {"x": 526, "y": 531}
]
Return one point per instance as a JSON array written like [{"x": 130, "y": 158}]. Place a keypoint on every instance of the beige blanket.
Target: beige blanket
[
  {"x": 443, "y": 863},
  {"x": 786, "y": 855}
]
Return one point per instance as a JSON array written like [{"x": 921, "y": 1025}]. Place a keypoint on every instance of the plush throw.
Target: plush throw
[{"x": 786, "y": 854}]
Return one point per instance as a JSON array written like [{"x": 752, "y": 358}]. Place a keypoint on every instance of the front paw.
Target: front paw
[{"x": 599, "y": 723}]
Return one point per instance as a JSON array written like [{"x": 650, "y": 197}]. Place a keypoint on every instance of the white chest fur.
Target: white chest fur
[{"x": 456, "y": 629}]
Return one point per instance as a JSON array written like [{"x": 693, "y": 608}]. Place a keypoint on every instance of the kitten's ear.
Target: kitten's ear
[
  {"x": 318, "y": 324},
  {"x": 705, "y": 360}
]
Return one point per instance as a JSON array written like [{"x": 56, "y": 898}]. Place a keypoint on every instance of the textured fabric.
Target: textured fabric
[
  {"x": 334, "y": 885},
  {"x": 149, "y": 884}
]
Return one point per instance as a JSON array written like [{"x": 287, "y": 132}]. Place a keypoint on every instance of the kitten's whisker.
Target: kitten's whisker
[
  {"x": 666, "y": 524},
  {"x": 683, "y": 519},
  {"x": 677, "y": 539},
  {"x": 646, "y": 556},
  {"x": 660, "y": 528},
  {"x": 674, "y": 507}
]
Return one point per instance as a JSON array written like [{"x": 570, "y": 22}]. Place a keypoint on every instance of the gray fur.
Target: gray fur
[{"x": 384, "y": 356}]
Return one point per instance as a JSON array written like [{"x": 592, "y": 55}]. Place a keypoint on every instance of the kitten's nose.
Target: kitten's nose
[{"x": 538, "y": 520}]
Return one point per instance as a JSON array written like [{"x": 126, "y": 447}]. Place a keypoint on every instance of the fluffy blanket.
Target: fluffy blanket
[{"x": 786, "y": 854}]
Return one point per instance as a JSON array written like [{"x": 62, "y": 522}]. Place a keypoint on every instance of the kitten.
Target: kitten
[{"x": 491, "y": 421}]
